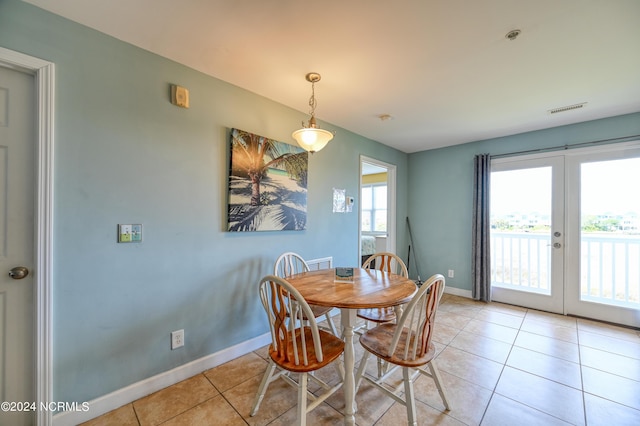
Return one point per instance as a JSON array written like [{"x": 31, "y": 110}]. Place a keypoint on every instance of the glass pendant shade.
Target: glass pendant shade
[{"x": 312, "y": 139}]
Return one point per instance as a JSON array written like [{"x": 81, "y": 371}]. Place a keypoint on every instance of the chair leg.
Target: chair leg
[
  {"x": 410, "y": 401},
  {"x": 302, "y": 400},
  {"x": 264, "y": 384},
  {"x": 361, "y": 369},
  {"x": 339, "y": 366},
  {"x": 383, "y": 367},
  {"x": 435, "y": 374},
  {"x": 332, "y": 326}
]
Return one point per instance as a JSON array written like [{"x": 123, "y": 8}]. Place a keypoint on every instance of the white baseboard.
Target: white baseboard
[
  {"x": 135, "y": 391},
  {"x": 458, "y": 292},
  {"x": 113, "y": 400}
]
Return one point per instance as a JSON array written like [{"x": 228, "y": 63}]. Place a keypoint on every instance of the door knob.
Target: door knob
[
  {"x": 556, "y": 245},
  {"x": 18, "y": 273},
  {"x": 557, "y": 234}
]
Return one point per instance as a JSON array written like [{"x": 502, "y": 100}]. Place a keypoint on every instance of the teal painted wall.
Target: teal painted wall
[
  {"x": 124, "y": 154},
  {"x": 441, "y": 197}
]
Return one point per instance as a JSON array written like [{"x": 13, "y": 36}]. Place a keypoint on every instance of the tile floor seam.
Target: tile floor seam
[
  {"x": 611, "y": 400},
  {"x": 209, "y": 380},
  {"x": 533, "y": 408},
  {"x": 584, "y": 401},
  {"x": 135, "y": 413},
  {"x": 186, "y": 411},
  {"x": 590, "y": 401},
  {"x": 233, "y": 406},
  {"x": 504, "y": 365}
]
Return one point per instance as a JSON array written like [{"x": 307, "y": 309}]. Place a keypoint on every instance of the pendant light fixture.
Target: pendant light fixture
[{"x": 310, "y": 137}]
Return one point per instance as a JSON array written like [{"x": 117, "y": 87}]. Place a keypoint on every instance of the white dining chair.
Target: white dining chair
[
  {"x": 297, "y": 346},
  {"x": 291, "y": 263},
  {"x": 407, "y": 345},
  {"x": 387, "y": 262}
]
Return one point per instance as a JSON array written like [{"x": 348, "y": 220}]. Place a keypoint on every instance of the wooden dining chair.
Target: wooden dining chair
[
  {"x": 290, "y": 263},
  {"x": 407, "y": 345},
  {"x": 388, "y": 262},
  {"x": 297, "y": 345}
]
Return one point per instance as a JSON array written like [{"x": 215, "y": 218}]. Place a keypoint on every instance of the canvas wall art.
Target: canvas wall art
[{"x": 267, "y": 184}]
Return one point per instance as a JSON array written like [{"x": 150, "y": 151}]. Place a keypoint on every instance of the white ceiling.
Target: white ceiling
[{"x": 442, "y": 69}]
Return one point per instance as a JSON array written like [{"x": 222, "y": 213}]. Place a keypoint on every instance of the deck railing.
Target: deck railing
[{"x": 609, "y": 265}]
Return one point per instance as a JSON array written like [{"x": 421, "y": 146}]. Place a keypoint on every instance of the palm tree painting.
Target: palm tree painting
[{"x": 267, "y": 184}]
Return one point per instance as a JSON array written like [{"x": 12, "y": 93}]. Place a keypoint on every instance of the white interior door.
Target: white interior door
[
  {"x": 17, "y": 180},
  {"x": 527, "y": 232}
]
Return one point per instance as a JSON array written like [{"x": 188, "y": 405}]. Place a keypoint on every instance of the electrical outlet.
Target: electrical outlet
[
  {"x": 177, "y": 339},
  {"x": 451, "y": 273}
]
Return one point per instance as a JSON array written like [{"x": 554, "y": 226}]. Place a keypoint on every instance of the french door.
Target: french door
[
  {"x": 565, "y": 234},
  {"x": 527, "y": 232},
  {"x": 603, "y": 255}
]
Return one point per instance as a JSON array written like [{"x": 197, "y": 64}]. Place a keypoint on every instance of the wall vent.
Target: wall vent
[{"x": 566, "y": 108}]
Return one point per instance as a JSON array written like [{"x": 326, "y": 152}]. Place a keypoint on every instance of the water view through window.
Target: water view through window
[
  {"x": 522, "y": 238},
  {"x": 610, "y": 232},
  {"x": 521, "y": 229}
]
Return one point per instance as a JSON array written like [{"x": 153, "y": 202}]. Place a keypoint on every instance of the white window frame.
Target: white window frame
[{"x": 373, "y": 209}]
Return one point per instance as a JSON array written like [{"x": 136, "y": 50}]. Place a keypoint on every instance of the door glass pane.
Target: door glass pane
[
  {"x": 610, "y": 232},
  {"x": 521, "y": 229}
]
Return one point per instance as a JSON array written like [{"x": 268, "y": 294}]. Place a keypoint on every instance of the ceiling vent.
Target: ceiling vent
[{"x": 566, "y": 108}]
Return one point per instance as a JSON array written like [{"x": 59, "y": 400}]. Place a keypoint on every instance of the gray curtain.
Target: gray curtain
[{"x": 481, "y": 262}]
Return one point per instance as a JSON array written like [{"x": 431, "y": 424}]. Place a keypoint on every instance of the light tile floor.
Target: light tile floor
[{"x": 501, "y": 365}]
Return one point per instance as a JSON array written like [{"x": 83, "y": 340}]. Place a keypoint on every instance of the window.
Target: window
[{"x": 374, "y": 208}]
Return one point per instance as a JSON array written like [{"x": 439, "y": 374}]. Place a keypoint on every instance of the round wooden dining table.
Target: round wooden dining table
[{"x": 370, "y": 288}]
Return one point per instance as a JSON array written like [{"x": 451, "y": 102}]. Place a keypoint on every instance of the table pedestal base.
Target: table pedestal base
[{"x": 348, "y": 318}]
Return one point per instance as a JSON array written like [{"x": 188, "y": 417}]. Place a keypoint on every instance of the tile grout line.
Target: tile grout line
[
  {"x": 584, "y": 401},
  {"x": 504, "y": 365}
]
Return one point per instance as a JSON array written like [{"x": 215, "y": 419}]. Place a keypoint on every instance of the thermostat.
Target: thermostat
[{"x": 179, "y": 96}]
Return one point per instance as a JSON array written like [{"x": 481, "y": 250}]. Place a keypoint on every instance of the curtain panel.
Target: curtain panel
[{"x": 481, "y": 252}]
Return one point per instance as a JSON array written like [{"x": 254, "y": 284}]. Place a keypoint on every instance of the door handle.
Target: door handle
[
  {"x": 557, "y": 245},
  {"x": 18, "y": 273}
]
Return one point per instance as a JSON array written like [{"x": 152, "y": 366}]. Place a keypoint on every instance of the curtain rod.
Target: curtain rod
[{"x": 569, "y": 146}]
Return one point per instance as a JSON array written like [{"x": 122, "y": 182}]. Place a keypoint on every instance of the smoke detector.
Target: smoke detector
[{"x": 513, "y": 34}]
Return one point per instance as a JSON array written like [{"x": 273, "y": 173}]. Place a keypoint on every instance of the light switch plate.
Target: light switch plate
[
  {"x": 136, "y": 233},
  {"x": 129, "y": 233}
]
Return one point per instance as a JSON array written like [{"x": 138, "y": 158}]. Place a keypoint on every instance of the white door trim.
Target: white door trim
[
  {"x": 43, "y": 72},
  {"x": 391, "y": 202}
]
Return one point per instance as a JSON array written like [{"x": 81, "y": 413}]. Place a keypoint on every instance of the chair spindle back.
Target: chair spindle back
[
  {"x": 286, "y": 307},
  {"x": 288, "y": 264},
  {"x": 415, "y": 327},
  {"x": 387, "y": 262}
]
